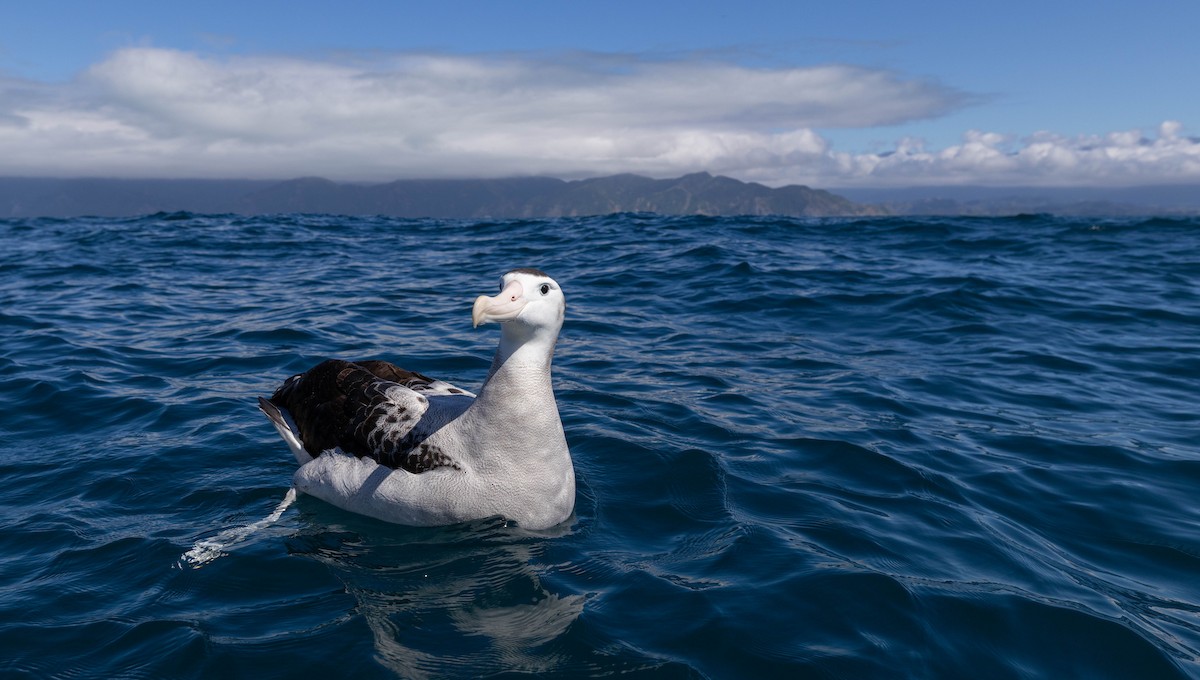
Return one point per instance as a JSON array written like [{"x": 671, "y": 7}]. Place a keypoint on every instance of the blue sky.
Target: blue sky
[{"x": 832, "y": 94}]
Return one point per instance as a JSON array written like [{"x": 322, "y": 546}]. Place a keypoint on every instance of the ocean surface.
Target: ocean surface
[{"x": 828, "y": 448}]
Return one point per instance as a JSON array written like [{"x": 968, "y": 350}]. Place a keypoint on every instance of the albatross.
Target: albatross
[{"x": 378, "y": 440}]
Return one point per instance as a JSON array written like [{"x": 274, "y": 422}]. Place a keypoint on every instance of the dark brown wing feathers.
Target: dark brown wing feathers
[{"x": 344, "y": 404}]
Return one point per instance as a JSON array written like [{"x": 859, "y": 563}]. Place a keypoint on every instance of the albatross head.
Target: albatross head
[{"x": 528, "y": 297}]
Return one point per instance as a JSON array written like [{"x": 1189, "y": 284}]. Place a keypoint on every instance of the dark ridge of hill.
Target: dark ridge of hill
[
  {"x": 695, "y": 194},
  {"x": 1176, "y": 199},
  {"x": 45, "y": 197}
]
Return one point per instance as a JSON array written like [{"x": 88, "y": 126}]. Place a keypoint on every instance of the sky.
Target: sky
[{"x": 832, "y": 94}]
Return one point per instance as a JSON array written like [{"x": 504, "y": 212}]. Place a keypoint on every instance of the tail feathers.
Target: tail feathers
[
  {"x": 282, "y": 420},
  {"x": 271, "y": 410}
]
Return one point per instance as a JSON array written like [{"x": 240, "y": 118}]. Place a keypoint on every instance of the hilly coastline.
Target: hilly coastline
[
  {"x": 694, "y": 194},
  {"x": 535, "y": 197}
]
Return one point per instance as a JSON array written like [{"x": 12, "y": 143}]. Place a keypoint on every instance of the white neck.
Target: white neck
[
  {"x": 522, "y": 349},
  {"x": 516, "y": 406},
  {"x": 513, "y": 430}
]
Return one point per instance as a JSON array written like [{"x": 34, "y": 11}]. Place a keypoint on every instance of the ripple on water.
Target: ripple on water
[{"x": 856, "y": 448}]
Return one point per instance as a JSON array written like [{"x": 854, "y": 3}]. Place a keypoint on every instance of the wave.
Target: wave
[{"x": 857, "y": 446}]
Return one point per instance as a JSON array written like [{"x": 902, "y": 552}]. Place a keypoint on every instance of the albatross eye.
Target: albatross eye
[{"x": 545, "y": 288}]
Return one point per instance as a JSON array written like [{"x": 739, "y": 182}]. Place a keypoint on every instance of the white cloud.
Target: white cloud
[
  {"x": 156, "y": 112},
  {"x": 1042, "y": 159}
]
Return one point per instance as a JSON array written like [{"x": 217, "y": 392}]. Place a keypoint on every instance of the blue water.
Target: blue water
[{"x": 960, "y": 448}]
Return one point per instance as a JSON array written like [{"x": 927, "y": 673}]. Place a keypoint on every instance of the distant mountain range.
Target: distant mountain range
[
  {"x": 695, "y": 194},
  {"x": 1166, "y": 200}
]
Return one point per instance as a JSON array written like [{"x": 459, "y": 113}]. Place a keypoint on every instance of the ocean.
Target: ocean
[{"x": 827, "y": 448}]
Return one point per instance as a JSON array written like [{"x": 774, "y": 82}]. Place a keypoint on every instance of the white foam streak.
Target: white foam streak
[{"x": 209, "y": 549}]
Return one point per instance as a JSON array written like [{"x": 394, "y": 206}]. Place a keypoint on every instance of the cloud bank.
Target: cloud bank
[{"x": 146, "y": 112}]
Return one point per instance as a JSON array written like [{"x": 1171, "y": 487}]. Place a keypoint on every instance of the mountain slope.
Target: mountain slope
[{"x": 696, "y": 194}]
